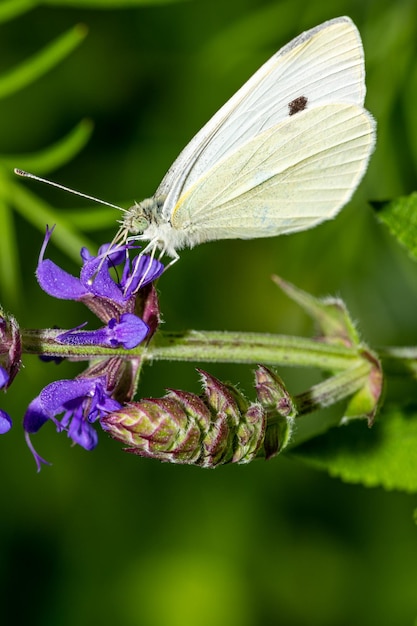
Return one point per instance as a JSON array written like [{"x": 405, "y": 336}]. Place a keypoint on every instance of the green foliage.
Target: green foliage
[
  {"x": 41, "y": 63},
  {"x": 56, "y": 155},
  {"x": 12, "y": 8},
  {"x": 108, "y": 4},
  {"x": 12, "y": 194},
  {"x": 384, "y": 456},
  {"x": 400, "y": 216},
  {"x": 9, "y": 9}
]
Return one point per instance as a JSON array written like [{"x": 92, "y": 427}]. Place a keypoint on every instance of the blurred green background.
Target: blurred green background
[{"x": 109, "y": 538}]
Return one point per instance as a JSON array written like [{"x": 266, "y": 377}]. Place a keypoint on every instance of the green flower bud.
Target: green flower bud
[
  {"x": 219, "y": 427},
  {"x": 279, "y": 407}
]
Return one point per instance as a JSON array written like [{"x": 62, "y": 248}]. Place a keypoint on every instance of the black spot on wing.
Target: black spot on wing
[{"x": 297, "y": 105}]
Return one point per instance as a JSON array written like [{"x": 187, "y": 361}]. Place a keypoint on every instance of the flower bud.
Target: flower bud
[
  {"x": 222, "y": 398},
  {"x": 156, "y": 428},
  {"x": 279, "y": 407},
  {"x": 210, "y": 430},
  {"x": 250, "y": 434}
]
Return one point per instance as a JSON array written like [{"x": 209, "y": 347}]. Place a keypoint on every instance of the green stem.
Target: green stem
[
  {"x": 227, "y": 347},
  {"x": 208, "y": 346},
  {"x": 333, "y": 389},
  {"x": 238, "y": 347}
]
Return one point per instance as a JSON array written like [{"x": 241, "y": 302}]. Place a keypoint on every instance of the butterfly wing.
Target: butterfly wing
[
  {"x": 322, "y": 65},
  {"x": 287, "y": 178}
]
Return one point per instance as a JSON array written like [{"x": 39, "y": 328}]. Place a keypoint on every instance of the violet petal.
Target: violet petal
[
  {"x": 35, "y": 416},
  {"x": 58, "y": 283},
  {"x": 83, "y": 433},
  {"x": 56, "y": 396},
  {"x": 98, "y": 281},
  {"x": 5, "y": 422},
  {"x": 130, "y": 331},
  {"x": 4, "y": 377},
  {"x": 145, "y": 270}
]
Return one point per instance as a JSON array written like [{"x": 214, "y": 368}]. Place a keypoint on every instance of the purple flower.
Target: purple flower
[
  {"x": 128, "y": 332},
  {"x": 96, "y": 287},
  {"x": 5, "y": 422},
  {"x": 5, "y": 419},
  {"x": 116, "y": 295},
  {"x": 4, "y": 377},
  {"x": 82, "y": 401}
]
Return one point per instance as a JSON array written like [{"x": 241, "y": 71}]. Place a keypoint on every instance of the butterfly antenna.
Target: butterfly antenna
[{"x": 63, "y": 188}]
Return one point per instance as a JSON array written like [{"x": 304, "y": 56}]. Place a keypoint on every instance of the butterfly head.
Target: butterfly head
[
  {"x": 141, "y": 215},
  {"x": 145, "y": 221}
]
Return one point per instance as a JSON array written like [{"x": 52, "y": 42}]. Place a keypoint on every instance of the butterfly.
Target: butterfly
[{"x": 285, "y": 153}]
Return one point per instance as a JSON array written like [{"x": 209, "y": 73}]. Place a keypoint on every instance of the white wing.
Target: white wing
[
  {"x": 288, "y": 178},
  {"x": 323, "y": 65}
]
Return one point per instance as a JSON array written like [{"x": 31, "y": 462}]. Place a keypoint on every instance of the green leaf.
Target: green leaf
[
  {"x": 107, "y": 4},
  {"x": 52, "y": 157},
  {"x": 42, "y": 62},
  {"x": 400, "y": 216},
  {"x": 384, "y": 456},
  {"x": 9, "y": 9},
  {"x": 330, "y": 314}
]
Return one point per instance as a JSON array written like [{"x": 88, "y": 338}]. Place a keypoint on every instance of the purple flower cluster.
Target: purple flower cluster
[
  {"x": 120, "y": 293},
  {"x": 81, "y": 400}
]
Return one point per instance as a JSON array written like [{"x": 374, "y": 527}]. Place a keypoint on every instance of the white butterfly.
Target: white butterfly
[{"x": 285, "y": 153}]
